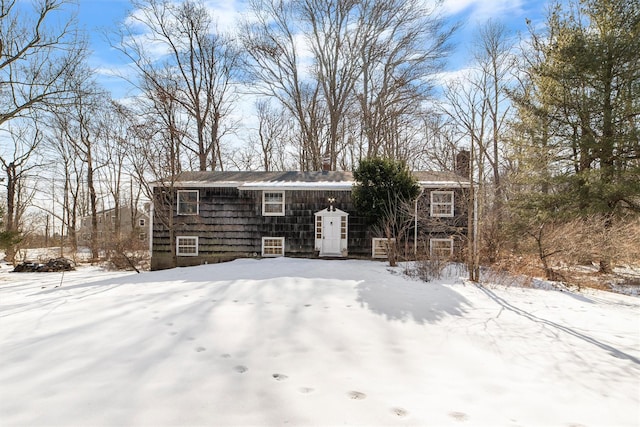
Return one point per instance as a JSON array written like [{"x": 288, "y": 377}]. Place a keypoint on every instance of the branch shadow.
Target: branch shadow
[{"x": 507, "y": 306}]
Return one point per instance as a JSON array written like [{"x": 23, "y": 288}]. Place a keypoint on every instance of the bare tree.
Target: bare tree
[
  {"x": 402, "y": 46},
  {"x": 198, "y": 64},
  {"x": 37, "y": 57},
  {"x": 468, "y": 110},
  {"x": 79, "y": 126},
  {"x": 272, "y": 133},
  {"x": 17, "y": 164},
  {"x": 277, "y": 68},
  {"x": 156, "y": 135}
]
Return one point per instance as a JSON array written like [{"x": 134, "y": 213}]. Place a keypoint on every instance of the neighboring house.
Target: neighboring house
[
  {"x": 218, "y": 216},
  {"x": 132, "y": 225}
]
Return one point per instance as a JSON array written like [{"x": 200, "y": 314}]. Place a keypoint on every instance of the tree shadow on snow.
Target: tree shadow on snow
[
  {"x": 411, "y": 301},
  {"x": 508, "y": 306}
]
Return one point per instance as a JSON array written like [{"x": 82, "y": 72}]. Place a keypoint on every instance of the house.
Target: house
[
  {"x": 206, "y": 217},
  {"x": 116, "y": 224}
]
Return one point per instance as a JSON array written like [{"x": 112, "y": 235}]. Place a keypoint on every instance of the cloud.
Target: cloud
[{"x": 479, "y": 11}]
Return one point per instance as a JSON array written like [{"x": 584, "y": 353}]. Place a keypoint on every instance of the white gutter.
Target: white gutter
[
  {"x": 298, "y": 185},
  {"x": 444, "y": 184}
]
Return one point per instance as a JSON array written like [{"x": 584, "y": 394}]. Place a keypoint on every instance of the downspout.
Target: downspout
[
  {"x": 415, "y": 225},
  {"x": 151, "y": 215}
]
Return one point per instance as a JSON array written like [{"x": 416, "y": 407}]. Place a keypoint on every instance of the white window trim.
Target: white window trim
[
  {"x": 142, "y": 222},
  {"x": 451, "y": 205},
  {"x": 197, "y": 202},
  {"x": 281, "y": 239},
  {"x": 179, "y": 238},
  {"x": 264, "y": 212},
  {"x": 432, "y": 241},
  {"x": 379, "y": 247}
]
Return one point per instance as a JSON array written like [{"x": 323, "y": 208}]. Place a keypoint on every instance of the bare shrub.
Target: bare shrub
[{"x": 127, "y": 254}]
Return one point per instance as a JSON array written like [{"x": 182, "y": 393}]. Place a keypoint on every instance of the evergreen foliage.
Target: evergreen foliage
[
  {"x": 381, "y": 186},
  {"x": 578, "y": 114}
]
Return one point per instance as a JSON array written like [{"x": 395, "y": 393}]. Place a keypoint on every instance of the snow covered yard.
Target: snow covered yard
[{"x": 310, "y": 342}]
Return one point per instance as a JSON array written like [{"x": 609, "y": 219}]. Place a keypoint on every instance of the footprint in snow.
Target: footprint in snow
[
  {"x": 279, "y": 377},
  {"x": 356, "y": 395},
  {"x": 225, "y": 356},
  {"x": 241, "y": 369},
  {"x": 306, "y": 390},
  {"x": 200, "y": 349},
  {"x": 399, "y": 412},
  {"x": 458, "y": 416}
]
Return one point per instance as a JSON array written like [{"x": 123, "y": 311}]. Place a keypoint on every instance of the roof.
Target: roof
[{"x": 295, "y": 180}]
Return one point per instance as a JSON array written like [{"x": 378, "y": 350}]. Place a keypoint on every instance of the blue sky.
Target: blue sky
[{"x": 99, "y": 16}]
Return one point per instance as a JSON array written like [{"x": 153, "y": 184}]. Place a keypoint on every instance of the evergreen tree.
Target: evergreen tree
[
  {"x": 578, "y": 113},
  {"x": 382, "y": 184}
]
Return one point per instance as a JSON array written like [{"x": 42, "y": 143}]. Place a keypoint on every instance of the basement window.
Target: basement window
[
  {"x": 272, "y": 246},
  {"x": 441, "y": 248},
  {"x": 187, "y": 245}
]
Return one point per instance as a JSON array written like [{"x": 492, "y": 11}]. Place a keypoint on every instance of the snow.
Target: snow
[{"x": 310, "y": 343}]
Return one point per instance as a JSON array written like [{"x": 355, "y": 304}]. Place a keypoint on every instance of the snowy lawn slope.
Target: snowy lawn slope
[{"x": 310, "y": 342}]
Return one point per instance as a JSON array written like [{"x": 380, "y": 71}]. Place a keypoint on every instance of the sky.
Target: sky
[{"x": 98, "y": 17}]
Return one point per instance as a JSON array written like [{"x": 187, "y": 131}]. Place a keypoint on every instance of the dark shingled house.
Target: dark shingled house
[{"x": 206, "y": 217}]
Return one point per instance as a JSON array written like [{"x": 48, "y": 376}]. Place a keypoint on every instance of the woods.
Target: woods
[{"x": 550, "y": 118}]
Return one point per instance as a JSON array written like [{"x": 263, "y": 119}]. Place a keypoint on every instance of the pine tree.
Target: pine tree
[{"x": 579, "y": 113}]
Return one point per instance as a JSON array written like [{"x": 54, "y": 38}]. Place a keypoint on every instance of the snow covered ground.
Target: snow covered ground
[{"x": 310, "y": 342}]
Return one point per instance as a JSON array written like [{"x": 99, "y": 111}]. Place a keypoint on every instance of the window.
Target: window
[
  {"x": 273, "y": 203},
  {"x": 343, "y": 227},
  {"x": 141, "y": 222},
  {"x": 272, "y": 246},
  {"x": 187, "y": 245},
  {"x": 318, "y": 227},
  {"x": 188, "y": 202},
  {"x": 441, "y": 248},
  {"x": 442, "y": 203},
  {"x": 380, "y": 247}
]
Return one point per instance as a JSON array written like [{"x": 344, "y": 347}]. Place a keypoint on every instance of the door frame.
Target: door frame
[{"x": 320, "y": 236}]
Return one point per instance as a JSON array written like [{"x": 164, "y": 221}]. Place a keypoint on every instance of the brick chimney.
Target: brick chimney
[
  {"x": 462, "y": 163},
  {"x": 326, "y": 163}
]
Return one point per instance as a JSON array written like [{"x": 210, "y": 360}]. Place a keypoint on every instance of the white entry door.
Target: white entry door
[{"x": 330, "y": 235}]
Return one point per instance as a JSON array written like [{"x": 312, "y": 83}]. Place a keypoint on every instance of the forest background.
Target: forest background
[{"x": 550, "y": 115}]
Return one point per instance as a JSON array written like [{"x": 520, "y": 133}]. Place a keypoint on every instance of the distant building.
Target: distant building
[{"x": 116, "y": 225}]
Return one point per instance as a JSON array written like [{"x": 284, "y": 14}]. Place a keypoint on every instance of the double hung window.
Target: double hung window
[
  {"x": 273, "y": 203},
  {"x": 188, "y": 202},
  {"x": 442, "y": 203}
]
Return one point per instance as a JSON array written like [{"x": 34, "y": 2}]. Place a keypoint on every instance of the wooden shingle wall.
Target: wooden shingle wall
[{"x": 230, "y": 225}]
